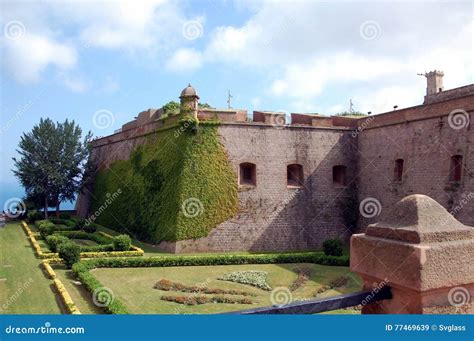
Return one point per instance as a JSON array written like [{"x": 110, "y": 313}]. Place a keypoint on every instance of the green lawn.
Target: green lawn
[
  {"x": 23, "y": 287},
  {"x": 134, "y": 286}
]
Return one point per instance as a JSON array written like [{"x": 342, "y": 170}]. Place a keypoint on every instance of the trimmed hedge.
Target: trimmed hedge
[
  {"x": 266, "y": 258},
  {"x": 65, "y": 297}
]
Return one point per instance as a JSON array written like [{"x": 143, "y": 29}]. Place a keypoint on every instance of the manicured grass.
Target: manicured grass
[
  {"x": 23, "y": 287},
  {"x": 80, "y": 296},
  {"x": 134, "y": 286}
]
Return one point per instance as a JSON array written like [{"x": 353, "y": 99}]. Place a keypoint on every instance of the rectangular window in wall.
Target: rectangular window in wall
[
  {"x": 455, "y": 173},
  {"x": 398, "y": 172}
]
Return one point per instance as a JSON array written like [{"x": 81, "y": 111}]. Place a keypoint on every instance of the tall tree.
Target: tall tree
[{"x": 52, "y": 162}]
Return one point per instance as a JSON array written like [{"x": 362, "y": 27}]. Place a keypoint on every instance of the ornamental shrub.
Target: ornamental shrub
[
  {"x": 46, "y": 228},
  {"x": 55, "y": 240},
  {"x": 333, "y": 247},
  {"x": 122, "y": 242},
  {"x": 70, "y": 253}
]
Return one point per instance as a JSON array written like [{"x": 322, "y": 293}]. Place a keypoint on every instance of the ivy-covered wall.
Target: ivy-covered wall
[{"x": 177, "y": 185}]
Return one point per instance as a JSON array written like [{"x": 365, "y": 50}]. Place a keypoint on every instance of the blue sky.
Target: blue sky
[{"x": 72, "y": 59}]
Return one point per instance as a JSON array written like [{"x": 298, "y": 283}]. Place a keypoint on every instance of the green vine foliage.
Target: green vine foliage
[{"x": 180, "y": 164}]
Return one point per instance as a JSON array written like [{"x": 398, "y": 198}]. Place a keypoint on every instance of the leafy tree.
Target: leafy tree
[
  {"x": 52, "y": 163},
  {"x": 204, "y": 106}
]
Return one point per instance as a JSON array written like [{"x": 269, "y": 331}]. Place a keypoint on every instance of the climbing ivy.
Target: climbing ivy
[{"x": 177, "y": 185}]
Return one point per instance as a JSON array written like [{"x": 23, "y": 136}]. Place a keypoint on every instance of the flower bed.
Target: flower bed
[
  {"x": 198, "y": 299},
  {"x": 256, "y": 279},
  {"x": 167, "y": 285}
]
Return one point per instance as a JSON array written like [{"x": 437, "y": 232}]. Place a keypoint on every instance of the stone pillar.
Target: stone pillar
[{"x": 423, "y": 253}]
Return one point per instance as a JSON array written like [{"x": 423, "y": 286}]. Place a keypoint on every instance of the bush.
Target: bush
[
  {"x": 122, "y": 242},
  {"x": 55, "y": 240},
  {"x": 70, "y": 252},
  {"x": 89, "y": 227},
  {"x": 33, "y": 216},
  {"x": 46, "y": 228},
  {"x": 65, "y": 215},
  {"x": 332, "y": 247},
  {"x": 39, "y": 222}
]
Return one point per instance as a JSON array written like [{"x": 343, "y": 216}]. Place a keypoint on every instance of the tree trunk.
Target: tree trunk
[
  {"x": 57, "y": 208},
  {"x": 46, "y": 207}
]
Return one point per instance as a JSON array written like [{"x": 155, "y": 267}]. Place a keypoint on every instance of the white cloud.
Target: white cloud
[
  {"x": 55, "y": 31},
  {"x": 184, "y": 60},
  {"x": 27, "y": 57}
]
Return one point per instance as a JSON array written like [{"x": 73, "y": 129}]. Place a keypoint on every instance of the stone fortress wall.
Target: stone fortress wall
[{"x": 277, "y": 216}]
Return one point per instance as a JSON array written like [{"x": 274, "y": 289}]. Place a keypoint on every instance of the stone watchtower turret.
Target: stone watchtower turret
[
  {"x": 434, "y": 82},
  {"x": 190, "y": 100}
]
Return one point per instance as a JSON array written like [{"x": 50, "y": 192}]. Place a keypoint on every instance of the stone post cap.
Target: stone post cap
[{"x": 419, "y": 219}]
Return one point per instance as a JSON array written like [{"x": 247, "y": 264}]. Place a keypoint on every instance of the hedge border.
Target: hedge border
[
  {"x": 134, "y": 252},
  {"x": 71, "y": 307},
  {"x": 82, "y": 268}
]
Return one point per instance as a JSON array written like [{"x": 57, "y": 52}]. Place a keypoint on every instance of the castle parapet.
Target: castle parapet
[
  {"x": 223, "y": 115},
  {"x": 316, "y": 120},
  {"x": 270, "y": 117}
]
